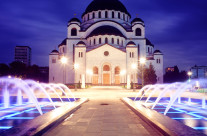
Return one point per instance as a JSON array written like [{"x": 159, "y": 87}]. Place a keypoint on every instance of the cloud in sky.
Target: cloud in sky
[{"x": 178, "y": 28}]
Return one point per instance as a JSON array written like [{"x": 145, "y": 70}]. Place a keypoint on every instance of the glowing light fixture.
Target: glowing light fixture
[
  {"x": 123, "y": 72},
  {"x": 190, "y": 73},
  {"x": 142, "y": 60},
  {"x": 76, "y": 66},
  {"x": 89, "y": 72},
  {"x": 64, "y": 60},
  {"x": 134, "y": 66}
]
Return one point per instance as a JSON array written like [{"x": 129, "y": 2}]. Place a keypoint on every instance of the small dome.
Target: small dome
[
  {"x": 131, "y": 43},
  {"x": 63, "y": 42},
  {"x": 137, "y": 20},
  {"x": 81, "y": 43},
  {"x": 149, "y": 43},
  {"x": 157, "y": 51},
  {"x": 54, "y": 51},
  {"x": 75, "y": 20},
  {"x": 106, "y": 30},
  {"x": 96, "y": 5}
]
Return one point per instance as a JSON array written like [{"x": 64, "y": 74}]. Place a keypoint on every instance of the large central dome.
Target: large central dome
[{"x": 96, "y": 5}]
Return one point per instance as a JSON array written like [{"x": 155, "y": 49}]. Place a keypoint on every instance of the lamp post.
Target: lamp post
[
  {"x": 76, "y": 66},
  {"x": 64, "y": 60},
  {"x": 134, "y": 66},
  {"x": 189, "y": 75},
  {"x": 142, "y": 61},
  {"x": 123, "y": 73}
]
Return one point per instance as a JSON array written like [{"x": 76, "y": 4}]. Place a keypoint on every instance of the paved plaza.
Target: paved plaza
[{"x": 103, "y": 115}]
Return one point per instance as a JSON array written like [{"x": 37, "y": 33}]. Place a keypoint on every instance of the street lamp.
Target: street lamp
[
  {"x": 76, "y": 66},
  {"x": 123, "y": 73},
  {"x": 64, "y": 61},
  {"x": 134, "y": 66},
  {"x": 142, "y": 62},
  {"x": 189, "y": 75}
]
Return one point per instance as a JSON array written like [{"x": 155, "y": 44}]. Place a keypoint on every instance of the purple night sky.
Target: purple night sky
[{"x": 178, "y": 28}]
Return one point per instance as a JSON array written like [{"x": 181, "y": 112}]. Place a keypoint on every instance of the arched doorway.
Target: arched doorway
[
  {"x": 106, "y": 75},
  {"x": 95, "y": 76},
  {"x": 117, "y": 75}
]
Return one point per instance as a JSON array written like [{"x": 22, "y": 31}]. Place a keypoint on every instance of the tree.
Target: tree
[
  {"x": 18, "y": 69},
  {"x": 175, "y": 76},
  {"x": 149, "y": 75},
  {"x": 4, "y": 69},
  {"x": 33, "y": 72}
]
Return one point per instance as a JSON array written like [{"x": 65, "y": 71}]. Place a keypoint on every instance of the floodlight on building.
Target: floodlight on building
[
  {"x": 64, "y": 60},
  {"x": 142, "y": 60},
  {"x": 76, "y": 66},
  {"x": 89, "y": 72},
  {"x": 134, "y": 66},
  {"x": 123, "y": 72}
]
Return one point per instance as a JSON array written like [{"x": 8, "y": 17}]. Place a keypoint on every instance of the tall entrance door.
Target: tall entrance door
[
  {"x": 95, "y": 80},
  {"x": 117, "y": 80},
  {"x": 106, "y": 78},
  {"x": 106, "y": 75}
]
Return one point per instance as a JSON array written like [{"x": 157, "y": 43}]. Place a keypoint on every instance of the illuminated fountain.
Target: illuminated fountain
[
  {"x": 24, "y": 100},
  {"x": 182, "y": 98},
  {"x": 17, "y": 88}
]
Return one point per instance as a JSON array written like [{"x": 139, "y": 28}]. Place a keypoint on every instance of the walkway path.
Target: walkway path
[{"x": 103, "y": 115}]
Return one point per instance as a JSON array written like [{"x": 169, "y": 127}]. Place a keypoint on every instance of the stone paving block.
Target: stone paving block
[
  {"x": 109, "y": 133},
  {"x": 94, "y": 119}
]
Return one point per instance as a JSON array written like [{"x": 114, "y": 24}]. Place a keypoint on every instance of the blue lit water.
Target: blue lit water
[
  {"x": 191, "y": 115},
  {"x": 16, "y": 115}
]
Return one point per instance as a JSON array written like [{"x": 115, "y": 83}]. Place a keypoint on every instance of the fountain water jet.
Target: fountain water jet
[
  {"x": 204, "y": 103},
  {"x": 19, "y": 97}
]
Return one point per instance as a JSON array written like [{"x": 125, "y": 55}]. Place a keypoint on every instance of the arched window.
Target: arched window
[
  {"x": 112, "y": 14},
  {"x": 94, "y": 41},
  {"x": 73, "y": 32},
  {"x": 148, "y": 50},
  {"x": 119, "y": 16},
  {"x": 99, "y": 14},
  {"x": 106, "y": 14},
  {"x": 117, "y": 70},
  {"x": 90, "y": 42},
  {"x": 138, "y": 32},
  {"x": 118, "y": 41},
  {"x": 122, "y": 43},
  {"x": 112, "y": 40},
  {"x": 93, "y": 15},
  {"x": 88, "y": 16},
  {"x": 99, "y": 40},
  {"x": 106, "y": 68},
  {"x": 106, "y": 40},
  {"x": 95, "y": 70},
  {"x": 124, "y": 17}
]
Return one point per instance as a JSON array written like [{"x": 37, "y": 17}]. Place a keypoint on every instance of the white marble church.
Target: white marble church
[{"x": 104, "y": 48}]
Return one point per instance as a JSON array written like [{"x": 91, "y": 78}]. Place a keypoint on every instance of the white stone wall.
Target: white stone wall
[
  {"x": 55, "y": 69},
  {"x": 130, "y": 62},
  {"x": 96, "y": 58}
]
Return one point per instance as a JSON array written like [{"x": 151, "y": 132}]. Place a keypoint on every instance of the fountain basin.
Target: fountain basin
[
  {"x": 164, "y": 124},
  {"x": 41, "y": 123}
]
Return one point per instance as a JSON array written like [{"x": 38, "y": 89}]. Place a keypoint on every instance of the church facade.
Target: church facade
[{"x": 105, "y": 48}]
